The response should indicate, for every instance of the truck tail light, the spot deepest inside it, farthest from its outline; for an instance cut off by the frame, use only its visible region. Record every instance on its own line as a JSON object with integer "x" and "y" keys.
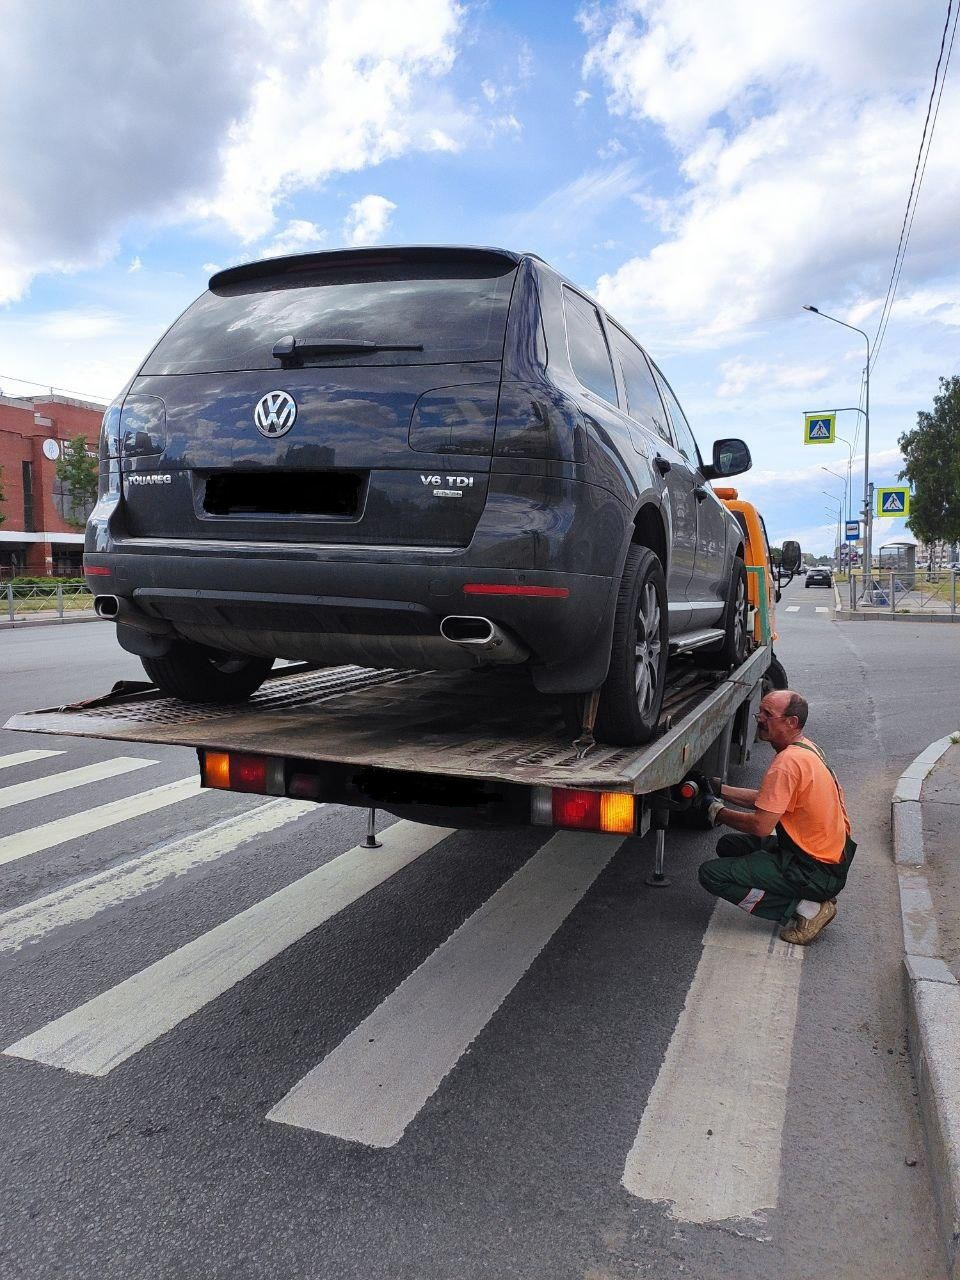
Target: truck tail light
{"x": 233, "y": 771}
{"x": 611, "y": 811}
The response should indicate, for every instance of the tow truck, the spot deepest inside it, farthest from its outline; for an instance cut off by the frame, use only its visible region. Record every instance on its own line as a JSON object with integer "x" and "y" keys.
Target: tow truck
{"x": 460, "y": 749}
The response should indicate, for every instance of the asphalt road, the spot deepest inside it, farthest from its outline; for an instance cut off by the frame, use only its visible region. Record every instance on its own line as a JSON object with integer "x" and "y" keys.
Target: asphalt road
{"x": 547, "y": 1028}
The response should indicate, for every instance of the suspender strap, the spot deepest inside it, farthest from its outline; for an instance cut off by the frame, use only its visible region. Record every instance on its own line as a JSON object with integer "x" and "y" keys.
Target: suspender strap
{"x": 849, "y": 844}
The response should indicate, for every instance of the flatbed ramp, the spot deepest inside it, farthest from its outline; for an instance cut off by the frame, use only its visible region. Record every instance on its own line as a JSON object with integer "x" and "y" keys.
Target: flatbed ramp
{"x": 489, "y": 726}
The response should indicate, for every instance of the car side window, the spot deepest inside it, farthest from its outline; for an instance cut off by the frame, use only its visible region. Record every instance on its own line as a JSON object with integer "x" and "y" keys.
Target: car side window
{"x": 643, "y": 399}
{"x": 587, "y": 345}
{"x": 681, "y": 428}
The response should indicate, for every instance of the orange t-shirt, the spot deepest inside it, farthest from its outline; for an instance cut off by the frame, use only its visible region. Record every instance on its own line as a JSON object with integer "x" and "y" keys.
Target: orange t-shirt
{"x": 800, "y": 789}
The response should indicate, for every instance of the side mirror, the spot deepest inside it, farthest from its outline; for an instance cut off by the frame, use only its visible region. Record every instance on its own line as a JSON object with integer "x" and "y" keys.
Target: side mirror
{"x": 790, "y": 557}
{"x": 730, "y": 458}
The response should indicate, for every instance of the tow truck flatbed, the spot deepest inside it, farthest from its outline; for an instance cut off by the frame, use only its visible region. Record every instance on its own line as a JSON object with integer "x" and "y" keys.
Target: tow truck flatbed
{"x": 467, "y": 726}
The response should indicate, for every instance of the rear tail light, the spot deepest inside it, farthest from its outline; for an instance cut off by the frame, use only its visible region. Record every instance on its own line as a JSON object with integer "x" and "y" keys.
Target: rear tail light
{"x": 233, "y": 771}
{"x": 511, "y": 589}
{"x": 611, "y": 811}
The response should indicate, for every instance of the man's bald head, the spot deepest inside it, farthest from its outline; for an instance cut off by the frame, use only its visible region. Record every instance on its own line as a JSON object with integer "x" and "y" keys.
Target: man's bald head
{"x": 786, "y": 702}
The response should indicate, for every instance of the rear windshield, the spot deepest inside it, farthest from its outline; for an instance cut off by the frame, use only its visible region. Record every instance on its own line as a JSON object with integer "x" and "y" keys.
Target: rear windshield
{"x": 456, "y": 311}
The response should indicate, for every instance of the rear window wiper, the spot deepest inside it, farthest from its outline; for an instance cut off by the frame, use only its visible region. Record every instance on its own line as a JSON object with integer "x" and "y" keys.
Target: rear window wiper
{"x": 292, "y": 351}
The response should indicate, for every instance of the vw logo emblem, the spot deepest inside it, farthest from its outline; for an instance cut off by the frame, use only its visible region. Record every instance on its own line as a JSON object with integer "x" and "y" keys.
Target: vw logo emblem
{"x": 275, "y": 414}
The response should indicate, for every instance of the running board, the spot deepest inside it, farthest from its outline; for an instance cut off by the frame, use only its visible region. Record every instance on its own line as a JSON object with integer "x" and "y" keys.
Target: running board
{"x": 697, "y": 639}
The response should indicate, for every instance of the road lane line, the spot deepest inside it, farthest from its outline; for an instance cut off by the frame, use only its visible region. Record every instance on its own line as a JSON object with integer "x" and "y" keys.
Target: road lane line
{"x": 793, "y": 608}
{"x": 110, "y": 1028}
{"x": 27, "y": 757}
{"x": 118, "y": 885}
{"x": 710, "y": 1137}
{"x": 54, "y": 783}
{"x": 375, "y": 1081}
{"x": 49, "y": 834}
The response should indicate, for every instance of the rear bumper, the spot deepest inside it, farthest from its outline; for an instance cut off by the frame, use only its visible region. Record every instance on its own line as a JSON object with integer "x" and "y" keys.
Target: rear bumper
{"x": 378, "y": 613}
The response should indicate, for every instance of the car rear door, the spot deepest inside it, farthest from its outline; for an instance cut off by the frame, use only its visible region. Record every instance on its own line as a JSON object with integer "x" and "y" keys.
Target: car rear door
{"x": 708, "y": 586}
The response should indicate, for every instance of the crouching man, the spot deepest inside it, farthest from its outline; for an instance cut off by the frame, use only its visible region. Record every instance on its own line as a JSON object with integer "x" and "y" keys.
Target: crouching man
{"x": 792, "y": 856}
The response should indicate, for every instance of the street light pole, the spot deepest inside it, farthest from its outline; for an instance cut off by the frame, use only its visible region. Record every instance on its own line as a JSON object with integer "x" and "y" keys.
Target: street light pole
{"x": 845, "y": 504}
{"x": 867, "y": 505}
{"x": 833, "y": 498}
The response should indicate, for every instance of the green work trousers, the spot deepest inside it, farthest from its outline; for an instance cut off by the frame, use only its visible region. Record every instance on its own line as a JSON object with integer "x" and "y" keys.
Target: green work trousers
{"x": 768, "y": 880}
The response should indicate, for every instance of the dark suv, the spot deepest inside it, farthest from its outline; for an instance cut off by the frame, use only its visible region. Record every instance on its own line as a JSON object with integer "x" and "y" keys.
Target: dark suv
{"x": 422, "y": 457}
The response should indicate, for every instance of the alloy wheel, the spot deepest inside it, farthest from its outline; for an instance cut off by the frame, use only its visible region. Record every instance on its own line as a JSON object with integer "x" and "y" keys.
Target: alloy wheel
{"x": 647, "y": 671}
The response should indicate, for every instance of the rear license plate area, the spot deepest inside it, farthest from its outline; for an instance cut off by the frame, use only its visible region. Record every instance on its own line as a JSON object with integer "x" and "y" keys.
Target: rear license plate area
{"x": 331, "y": 494}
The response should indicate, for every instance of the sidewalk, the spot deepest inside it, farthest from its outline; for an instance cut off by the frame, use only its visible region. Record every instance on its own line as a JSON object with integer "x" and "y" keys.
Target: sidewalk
{"x": 47, "y": 619}
{"x": 926, "y": 838}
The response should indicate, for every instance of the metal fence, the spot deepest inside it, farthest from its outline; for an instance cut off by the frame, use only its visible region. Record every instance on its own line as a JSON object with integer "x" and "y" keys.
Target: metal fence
{"x": 927, "y": 591}
{"x": 54, "y": 599}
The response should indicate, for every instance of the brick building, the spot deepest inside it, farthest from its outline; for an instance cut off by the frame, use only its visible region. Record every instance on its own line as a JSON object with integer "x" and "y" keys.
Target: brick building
{"x": 35, "y": 537}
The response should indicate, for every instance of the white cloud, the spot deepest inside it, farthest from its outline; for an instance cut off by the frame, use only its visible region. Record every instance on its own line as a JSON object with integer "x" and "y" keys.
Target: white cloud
{"x": 581, "y": 97}
{"x": 739, "y": 375}
{"x": 79, "y": 324}
{"x": 296, "y": 237}
{"x": 368, "y": 220}
{"x": 135, "y": 265}
{"x": 575, "y": 204}
{"x": 346, "y": 86}
{"x": 222, "y": 111}
{"x": 796, "y": 128}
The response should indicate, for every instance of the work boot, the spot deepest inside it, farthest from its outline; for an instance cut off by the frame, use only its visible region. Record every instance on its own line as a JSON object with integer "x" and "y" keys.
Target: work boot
{"x": 802, "y": 932}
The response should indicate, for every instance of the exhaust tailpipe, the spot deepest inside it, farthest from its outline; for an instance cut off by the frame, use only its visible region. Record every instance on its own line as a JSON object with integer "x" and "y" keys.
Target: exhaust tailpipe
{"x": 484, "y": 638}
{"x": 117, "y": 609}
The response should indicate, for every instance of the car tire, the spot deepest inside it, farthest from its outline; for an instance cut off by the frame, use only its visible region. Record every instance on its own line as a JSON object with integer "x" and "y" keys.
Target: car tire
{"x": 775, "y": 677}
{"x": 194, "y": 674}
{"x": 632, "y": 693}
{"x": 736, "y": 636}
{"x": 806, "y": 586}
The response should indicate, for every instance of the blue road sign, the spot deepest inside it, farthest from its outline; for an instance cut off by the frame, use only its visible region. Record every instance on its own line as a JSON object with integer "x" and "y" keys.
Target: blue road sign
{"x": 853, "y": 530}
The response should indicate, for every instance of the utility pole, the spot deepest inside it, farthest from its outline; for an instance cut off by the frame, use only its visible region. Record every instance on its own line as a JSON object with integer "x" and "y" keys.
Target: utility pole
{"x": 867, "y": 486}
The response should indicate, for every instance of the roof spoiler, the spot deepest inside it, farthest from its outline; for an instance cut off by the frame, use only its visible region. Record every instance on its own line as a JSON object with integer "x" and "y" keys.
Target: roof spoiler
{"x": 388, "y": 255}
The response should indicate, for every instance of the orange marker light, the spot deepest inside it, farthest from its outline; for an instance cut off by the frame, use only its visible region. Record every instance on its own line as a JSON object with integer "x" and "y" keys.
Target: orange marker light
{"x": 616, "y": 812}
{"x": 216, "y": 770}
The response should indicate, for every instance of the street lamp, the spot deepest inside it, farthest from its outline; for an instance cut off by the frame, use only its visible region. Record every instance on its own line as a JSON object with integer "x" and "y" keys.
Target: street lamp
{"x": 833, "y": 498}
{"x": 867, "y": 504}
{"x": 845, "y": 504}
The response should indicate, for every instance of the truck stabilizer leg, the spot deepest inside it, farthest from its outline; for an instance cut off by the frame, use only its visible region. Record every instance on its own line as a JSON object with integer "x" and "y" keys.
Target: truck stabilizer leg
{"x": 657, "y": 880}
{"x": 371, "y": 841}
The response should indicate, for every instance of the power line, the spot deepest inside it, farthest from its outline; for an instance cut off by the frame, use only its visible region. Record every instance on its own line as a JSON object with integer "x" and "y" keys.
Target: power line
{"x": 32, "y": 382}
{"x": 919, "y": 169}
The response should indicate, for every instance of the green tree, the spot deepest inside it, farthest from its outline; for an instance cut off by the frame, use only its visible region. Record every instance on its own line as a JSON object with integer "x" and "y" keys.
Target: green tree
{"x": 931, "y": 453}
{"x": 77, "y": 474}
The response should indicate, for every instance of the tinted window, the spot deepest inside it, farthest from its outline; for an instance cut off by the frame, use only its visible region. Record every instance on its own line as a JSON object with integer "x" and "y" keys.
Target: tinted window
{"x": 589, "y": 356}
{"x": 458, "y": 312}
{"x": 681, "y": 428}
{"x": 643, "y": 399}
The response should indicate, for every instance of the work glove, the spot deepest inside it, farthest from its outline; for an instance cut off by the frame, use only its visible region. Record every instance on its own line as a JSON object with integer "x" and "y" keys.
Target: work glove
{"x": 709, "y": 787}
{"x": 712, "y": 810}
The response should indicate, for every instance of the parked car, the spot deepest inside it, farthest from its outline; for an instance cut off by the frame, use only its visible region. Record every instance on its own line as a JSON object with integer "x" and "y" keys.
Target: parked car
{"x": 415, "y": 457}
{"x": 802, "y": 571}
{"x": 819, "y": 576}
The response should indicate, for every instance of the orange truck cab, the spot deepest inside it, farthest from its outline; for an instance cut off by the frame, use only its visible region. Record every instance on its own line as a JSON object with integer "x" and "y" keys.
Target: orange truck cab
{"x": 762, "y": 588}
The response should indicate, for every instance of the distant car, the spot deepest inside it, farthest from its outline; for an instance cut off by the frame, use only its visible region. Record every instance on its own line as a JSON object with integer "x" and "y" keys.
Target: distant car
{"x": 802, "y": 571}
{"x": 819, "y": 576}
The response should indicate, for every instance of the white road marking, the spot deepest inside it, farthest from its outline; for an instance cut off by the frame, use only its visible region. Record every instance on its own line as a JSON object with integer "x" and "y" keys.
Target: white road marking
{"x": 710, "y": 1136}
{"x": 54, "y": 783}
{"x": 50, "y": 834}
{"x": 26, "y": 757}
{"x": 793, "y": 608}
{"x": 822, "y": 609}
{"x": 376, "y": 1080}
{"x": 110, "y": 1028}
{"x": 117, "y": 885}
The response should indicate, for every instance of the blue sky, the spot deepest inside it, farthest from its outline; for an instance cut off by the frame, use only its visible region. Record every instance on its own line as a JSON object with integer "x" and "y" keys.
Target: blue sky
{"x": 705, "y": 170}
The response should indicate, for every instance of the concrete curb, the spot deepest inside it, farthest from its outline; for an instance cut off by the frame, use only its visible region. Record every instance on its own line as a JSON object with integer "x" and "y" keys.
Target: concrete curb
{"x": 933, "y": 999}
{"x": 845, "y": 615}
{"x": 56, "y": 621}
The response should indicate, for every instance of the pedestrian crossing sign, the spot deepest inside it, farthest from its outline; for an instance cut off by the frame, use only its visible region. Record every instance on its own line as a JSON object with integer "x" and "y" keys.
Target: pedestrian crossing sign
{"x": 819, "y": 428}
{"x": 893, "y": 501}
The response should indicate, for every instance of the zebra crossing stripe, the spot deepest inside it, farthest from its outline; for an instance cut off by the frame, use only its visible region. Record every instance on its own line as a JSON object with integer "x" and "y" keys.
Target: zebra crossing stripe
{"x": 710, "y": 1139}
{"x": 822, "y": 609}
{"x": 110, "y": 1028}
{"x": 117, "y": 885}
{"x": 50, "y": 834}
{"x": 793, "y": 608}
{"x": 26, "y": 757}
{"x": 373, "y": 1084}
{"x": 37, "y": 788}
